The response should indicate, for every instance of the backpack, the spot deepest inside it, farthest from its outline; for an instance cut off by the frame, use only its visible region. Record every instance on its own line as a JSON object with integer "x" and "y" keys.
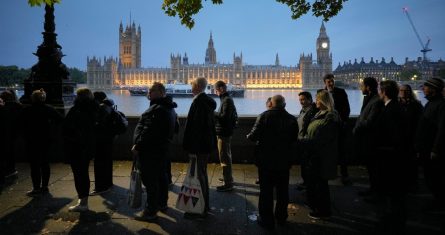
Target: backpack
{"x": 234, "y": 119}
{"x": 119, "y": 122}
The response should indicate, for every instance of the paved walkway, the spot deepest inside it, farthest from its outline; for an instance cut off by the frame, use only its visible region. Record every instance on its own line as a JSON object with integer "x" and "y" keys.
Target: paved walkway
{"x": 231, "y": 212}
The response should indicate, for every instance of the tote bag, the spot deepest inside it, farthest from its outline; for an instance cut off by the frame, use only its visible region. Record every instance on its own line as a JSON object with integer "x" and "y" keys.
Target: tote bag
{"x": 135, "y": 191}
{"x": 190, "y": 198}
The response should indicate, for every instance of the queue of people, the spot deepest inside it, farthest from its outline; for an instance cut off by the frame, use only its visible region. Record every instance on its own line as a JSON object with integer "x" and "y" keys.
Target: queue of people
{"x": 393, "y": 131}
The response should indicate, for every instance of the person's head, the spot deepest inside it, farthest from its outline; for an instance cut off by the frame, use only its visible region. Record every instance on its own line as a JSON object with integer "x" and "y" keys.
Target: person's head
{"x": 199, "y": 85}
{"x": 406, "y": 93}
{"x": 99, "y": 96}
{"x": 369, "y": 85}
{"x": 156, "y": 91}
{"x": 38, "y": 96}
{"x": 220, "y": 87}
{"x": 389, "y": 90}
{"x": 305, "y": 99}
{"x": 269, "y": 103}
{"x": 278, "y": 102}
{"x": 323, "y": 101}
{"x": 328, "y": 80}
{"x": 433, "y": 87}
{"x": 84, "y": 94}
{"x": 7, "y": 96}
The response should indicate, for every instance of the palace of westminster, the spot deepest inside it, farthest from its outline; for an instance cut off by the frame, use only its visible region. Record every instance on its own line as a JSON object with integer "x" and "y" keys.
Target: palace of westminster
{"x": 126, "y": 71}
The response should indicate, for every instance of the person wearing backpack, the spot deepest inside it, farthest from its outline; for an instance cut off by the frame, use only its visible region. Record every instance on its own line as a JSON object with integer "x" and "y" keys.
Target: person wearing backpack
{"x": 105, "y": 134}
{"x": 225, "y": 122}
{"x": 152, "y": 140}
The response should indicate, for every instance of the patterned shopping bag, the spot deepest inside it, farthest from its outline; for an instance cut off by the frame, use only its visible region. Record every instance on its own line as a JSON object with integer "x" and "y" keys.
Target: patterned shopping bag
{"x": 190, "y": 198}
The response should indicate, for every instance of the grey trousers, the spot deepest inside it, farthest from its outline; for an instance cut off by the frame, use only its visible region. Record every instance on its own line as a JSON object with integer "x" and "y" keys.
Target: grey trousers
{"x": 225, "y": 157}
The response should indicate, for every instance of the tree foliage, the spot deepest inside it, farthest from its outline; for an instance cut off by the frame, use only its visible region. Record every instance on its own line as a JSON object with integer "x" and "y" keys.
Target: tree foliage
{"x": 12, "y": 75}
{"x": 408, "y": 74}
{"x": 186, "y": 9}
{"x": 40, "y": 2}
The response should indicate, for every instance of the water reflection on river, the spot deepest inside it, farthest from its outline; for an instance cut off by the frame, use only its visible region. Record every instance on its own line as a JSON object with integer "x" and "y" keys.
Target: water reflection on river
{"x": 251, "y": 105}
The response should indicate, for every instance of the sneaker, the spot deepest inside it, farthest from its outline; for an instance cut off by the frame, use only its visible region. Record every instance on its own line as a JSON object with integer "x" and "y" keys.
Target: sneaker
{"x": 146, "y": 216}
{"x": 224, "y": 188}
{"x": 318, "y": 216}
{"x": 78, "y": 208}
{"x": 44, "y": 190}
{"x": 33, "y": 193}
{"x": 98, "y": 192}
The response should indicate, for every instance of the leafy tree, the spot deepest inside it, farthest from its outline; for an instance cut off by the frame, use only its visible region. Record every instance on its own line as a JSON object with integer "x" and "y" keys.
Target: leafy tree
{"x": 186, "y": 9}
{"x": 77, "y": 76}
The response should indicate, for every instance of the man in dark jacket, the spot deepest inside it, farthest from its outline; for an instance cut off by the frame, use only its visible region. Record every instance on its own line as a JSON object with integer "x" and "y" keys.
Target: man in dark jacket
{"x": 341, "y": 105}
{"x": 308, "y": 111}
{"x": 429, "y": 138}
{"x": 200, "y": 135}
{"x": 225, "y": 123}
{"x": 274, "y": 131}
{"x": 152, "y": 138}
{"x": 364, "y": 131}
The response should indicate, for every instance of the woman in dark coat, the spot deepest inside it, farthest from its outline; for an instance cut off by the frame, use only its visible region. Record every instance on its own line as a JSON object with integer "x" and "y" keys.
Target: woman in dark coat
{"x": 321, "y": 142}
{"x": 38, "y": 121}
{"x": 79, "y": 137}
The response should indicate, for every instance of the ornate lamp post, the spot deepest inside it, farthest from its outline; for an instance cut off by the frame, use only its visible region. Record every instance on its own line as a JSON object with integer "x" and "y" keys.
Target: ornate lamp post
{"x": 49, "y": 72}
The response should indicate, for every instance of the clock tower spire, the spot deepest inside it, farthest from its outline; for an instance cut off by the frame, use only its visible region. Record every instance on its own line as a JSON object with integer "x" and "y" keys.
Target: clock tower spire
{"x": 324, "y": 58}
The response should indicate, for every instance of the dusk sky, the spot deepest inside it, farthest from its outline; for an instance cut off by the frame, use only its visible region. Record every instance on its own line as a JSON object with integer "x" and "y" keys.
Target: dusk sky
{"x": 257, "y": 28}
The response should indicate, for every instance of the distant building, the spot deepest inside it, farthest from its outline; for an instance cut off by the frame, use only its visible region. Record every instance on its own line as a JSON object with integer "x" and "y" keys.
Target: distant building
{"x": 350, "y": 74}
{"x": 127, "y": 70}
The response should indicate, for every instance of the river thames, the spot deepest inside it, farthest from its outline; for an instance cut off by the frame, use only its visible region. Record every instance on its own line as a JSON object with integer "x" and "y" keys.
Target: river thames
{"x": 252, "y": 104}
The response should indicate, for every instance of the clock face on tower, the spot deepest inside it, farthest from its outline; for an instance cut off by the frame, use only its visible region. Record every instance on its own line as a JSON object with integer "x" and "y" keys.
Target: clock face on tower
{"x": 324, "y": 45}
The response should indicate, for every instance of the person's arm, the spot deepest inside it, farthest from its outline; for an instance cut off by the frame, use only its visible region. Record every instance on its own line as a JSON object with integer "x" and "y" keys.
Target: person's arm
{"x": 257, "y": 129}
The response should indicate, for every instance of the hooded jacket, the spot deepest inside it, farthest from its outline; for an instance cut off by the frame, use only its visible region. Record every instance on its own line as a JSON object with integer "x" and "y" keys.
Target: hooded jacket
{"x": 156, "y": 127}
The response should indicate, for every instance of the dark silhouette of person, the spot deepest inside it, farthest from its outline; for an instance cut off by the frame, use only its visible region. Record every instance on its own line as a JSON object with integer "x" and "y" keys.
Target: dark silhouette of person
{"x": 38, "y": 121}
{"x": 430, "y": 141}
{"x": 365, "y": 134}
{"x": 9, "y": 129}
{"x": 307, "y": 112}
{"x": 152, "y": 140}
{"x": 103, "y": 161}
{"x": 341, "y": 105}
{"x": 79, "y": 130}
{"x": 225, "y": 124}
{"x": 200, "y": 136}
{"x": 274, "y": 132}
{"x": 411, "y": 111}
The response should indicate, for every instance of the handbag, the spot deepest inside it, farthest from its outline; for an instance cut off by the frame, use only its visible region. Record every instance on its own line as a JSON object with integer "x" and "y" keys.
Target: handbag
{"x": 190, "y": 198}
{"x": 135, "y": 190}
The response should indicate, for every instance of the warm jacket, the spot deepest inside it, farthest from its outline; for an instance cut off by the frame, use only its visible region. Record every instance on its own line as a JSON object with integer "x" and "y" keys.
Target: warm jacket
{"x": 79, "y": 130}
{"x": 321, "y": 143}
{"x": 156, "y": 127}
{"x": 224, "y": 118}
{"x": 274, "y": 131}
{"x": 37, "y": 121}
{"x": 199, "y": 133}
{"x": 307, "y": 119}
{"x": 427, "y": 138}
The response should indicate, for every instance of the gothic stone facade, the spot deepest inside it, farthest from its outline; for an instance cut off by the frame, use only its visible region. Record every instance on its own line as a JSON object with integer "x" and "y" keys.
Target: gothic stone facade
{"x": 127, "y": 71}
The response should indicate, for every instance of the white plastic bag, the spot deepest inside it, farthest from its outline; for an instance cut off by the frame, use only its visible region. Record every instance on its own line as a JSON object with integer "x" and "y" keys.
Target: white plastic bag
{"x": 190, "y": 198}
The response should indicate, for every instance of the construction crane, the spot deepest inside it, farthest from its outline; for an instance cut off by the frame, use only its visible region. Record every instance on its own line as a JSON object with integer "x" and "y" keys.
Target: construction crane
{"x": 425, "y": 48}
